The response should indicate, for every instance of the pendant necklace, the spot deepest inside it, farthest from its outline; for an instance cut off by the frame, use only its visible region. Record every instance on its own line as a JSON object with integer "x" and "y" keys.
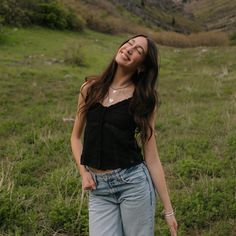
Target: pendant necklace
{"x": 115, "y": 90}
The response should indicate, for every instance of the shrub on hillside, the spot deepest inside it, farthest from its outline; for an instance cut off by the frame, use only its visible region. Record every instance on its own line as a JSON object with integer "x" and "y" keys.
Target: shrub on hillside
{"x": 233, "y": 38}
{"x": 51, "y": 14}
{"x": 74, "y": 22}
{"x": 107, "y": 24}
{"x": 74, "y": 55}
{"x": 94, "y": 22}
{"x": 17, "y": 13}
{"x": 2, "y": 35}
{"x": 55, "y": 15}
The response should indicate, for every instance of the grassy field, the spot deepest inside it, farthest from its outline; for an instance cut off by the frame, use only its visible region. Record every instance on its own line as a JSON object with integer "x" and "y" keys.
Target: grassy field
{"x": 196, "y": 132}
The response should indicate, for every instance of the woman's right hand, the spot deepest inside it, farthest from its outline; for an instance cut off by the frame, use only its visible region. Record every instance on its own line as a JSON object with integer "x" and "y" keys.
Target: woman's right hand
{"x": 172, "y": 223}
{"x": 88, "y": 182}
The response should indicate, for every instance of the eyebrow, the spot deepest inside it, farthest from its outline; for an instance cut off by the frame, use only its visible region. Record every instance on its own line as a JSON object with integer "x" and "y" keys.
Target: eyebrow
{"x": 133, "y": 40}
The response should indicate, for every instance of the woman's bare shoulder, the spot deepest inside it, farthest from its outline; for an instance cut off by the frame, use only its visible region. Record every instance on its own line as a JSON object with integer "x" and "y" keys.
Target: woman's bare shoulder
{"x": 85, "y": 86}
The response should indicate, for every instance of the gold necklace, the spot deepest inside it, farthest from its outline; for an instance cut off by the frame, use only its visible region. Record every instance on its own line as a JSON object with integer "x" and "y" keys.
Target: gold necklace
{"x": 114, "y": 90}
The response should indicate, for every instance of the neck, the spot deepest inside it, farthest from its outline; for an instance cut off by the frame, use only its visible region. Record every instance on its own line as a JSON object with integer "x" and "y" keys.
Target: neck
{"x": 121, "y": 78}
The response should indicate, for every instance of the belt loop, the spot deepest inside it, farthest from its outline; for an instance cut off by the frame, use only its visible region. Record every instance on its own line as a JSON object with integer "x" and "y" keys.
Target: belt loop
{"x": 95, "y": 179}
{"x": 117, "y": 175}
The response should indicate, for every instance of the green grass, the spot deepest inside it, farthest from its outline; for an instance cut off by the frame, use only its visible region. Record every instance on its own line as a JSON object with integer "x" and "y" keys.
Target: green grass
{"x": 196, "y": 133}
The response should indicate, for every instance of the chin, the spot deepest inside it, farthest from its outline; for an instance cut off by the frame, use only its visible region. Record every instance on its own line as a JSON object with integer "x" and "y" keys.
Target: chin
{"x": 120, "y": 61}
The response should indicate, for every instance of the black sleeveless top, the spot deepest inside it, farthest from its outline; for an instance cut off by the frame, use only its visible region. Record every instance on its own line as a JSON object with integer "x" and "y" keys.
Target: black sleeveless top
{"x": 109, "y": 137}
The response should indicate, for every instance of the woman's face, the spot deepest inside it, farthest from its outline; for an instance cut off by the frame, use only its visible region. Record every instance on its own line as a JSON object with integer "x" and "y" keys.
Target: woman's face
{"x": 131, "y": 54}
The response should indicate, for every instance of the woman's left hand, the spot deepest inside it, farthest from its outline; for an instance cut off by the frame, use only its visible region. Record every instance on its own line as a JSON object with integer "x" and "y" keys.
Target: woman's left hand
{"x": 172, "y": 223}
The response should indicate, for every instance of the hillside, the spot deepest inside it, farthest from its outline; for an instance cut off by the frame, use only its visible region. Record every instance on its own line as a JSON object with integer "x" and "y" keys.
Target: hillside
{"x": 40, "y": 188}
{"x": 213, "y": 14}
{"x": 165, "y": 14}
{"x": 157, "y": 15}
{"x": 121, "y": 16}
{"x": 184, "y": 16}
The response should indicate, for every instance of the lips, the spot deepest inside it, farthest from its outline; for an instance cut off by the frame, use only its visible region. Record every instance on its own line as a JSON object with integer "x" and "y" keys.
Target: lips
{"x": 125, "y": 55}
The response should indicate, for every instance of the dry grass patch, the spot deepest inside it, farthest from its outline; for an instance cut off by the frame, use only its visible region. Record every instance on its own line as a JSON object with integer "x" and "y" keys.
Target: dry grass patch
{"x": 192, "y": 40}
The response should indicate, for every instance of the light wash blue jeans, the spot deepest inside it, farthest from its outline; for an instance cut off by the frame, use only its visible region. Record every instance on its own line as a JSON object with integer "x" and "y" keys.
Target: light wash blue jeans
{"x": 123, "y": 204}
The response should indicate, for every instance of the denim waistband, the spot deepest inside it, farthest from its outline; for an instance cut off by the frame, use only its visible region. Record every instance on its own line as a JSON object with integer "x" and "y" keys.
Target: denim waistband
{"x": 113, "y": 173}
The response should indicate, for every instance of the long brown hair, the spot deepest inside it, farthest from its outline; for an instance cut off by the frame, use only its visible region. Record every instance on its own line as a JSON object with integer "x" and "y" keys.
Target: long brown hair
{"x": 145, "y": 97}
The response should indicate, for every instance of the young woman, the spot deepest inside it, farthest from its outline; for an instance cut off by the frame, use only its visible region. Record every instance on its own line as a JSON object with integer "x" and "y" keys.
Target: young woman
{"x": 116, "y": 110}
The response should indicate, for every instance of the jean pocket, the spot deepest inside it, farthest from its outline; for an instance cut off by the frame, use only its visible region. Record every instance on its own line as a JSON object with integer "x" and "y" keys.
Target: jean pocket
{"x": 134, "y": 177}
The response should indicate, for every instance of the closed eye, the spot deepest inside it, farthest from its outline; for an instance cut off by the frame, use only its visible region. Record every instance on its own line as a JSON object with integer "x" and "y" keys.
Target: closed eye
{"x": 130, "y": 43}
{"x": 139, "y": 50}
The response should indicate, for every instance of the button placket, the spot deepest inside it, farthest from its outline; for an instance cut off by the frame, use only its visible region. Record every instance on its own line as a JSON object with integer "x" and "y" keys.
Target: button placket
{"x": 101, "y": 123}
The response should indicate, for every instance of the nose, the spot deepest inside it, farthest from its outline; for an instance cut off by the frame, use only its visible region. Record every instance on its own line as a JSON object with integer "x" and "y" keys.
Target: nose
{"x": 130, "y": 50}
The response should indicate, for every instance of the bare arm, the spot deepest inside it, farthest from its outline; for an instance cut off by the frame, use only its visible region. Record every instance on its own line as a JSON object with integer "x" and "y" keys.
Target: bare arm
{"x": 76, "y": 143}
{"x": 155, "y": 168}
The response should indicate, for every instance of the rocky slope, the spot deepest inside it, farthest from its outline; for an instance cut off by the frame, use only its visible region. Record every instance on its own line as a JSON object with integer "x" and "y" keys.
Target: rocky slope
{"x": 184, "y": 16}
{"x": 213, "y": 14}
{"x": 166, "y": 14}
